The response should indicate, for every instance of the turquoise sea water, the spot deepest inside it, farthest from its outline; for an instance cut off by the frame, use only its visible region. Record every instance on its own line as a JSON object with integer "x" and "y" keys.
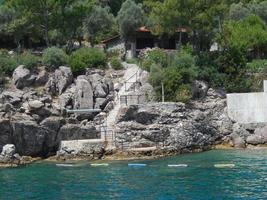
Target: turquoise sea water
{"x": 200, "y": 180}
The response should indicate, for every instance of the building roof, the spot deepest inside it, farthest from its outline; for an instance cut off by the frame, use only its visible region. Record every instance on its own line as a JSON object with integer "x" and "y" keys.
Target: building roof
{"x": 143, "y": 29}
{"x": 110, "y": 39}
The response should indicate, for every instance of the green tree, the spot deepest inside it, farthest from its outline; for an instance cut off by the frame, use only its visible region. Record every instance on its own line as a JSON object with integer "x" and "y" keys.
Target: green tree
{"x": 246, "y": 35}
{"x": 239, "y": 11}
{"x": 203, "y": 18}
{"x": 34, "y": 14}
{"x": 68, "y": 20}
{"x": 130, "y": 17}
{"x": 98, "y": 20}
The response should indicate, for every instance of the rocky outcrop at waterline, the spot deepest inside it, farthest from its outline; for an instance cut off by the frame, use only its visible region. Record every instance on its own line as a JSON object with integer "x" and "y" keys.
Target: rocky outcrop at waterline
{"x": 33, "y": 117}
{"x": 178, "y": 127}
{"x": 33, "y": 108}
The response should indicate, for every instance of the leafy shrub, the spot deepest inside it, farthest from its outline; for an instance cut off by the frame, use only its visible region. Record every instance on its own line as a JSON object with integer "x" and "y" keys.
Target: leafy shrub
{"x": 132, "y": 61}
{"x": 115, "y": 53}
{"x": 158, "y": 56}
{"x": 186, "y": 65}
{"x": 7, "y": 64}
{"x": 87, "y": 58}
{"x": 146, "y": 64}
{"x": 184, "y": 93}
{"x": 54, "y": 57}
{"x": 27, "y": 59}
{"x": 184, "y": 60}
{"x": 171, "y": 81}
{"x": 257, "y": 65}
{"x": 116, "y": 64}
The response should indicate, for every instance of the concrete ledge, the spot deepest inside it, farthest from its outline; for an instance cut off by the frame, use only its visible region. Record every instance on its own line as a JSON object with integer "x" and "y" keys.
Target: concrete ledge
{"x": 81, "y": 147}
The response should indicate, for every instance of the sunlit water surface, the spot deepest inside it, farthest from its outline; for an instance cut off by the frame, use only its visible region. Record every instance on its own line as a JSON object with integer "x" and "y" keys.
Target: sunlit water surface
{"x": 200, "y": 180}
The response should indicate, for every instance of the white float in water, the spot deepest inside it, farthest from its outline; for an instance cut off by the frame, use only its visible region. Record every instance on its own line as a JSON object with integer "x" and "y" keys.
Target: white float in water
{"x": 99, "y": 164}
{"x": 65, "y": 165}
{"x": 179, "y": 165}
{"x": 136, "y": 165}
{"x": 224, "y": 165}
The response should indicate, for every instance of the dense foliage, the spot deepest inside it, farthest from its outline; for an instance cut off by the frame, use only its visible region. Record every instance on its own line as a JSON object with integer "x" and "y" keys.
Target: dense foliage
{"x": 87, "y": 58}
{"x": 116, "y": 64}
{"x": 54, "y": 57}
{"x": 237, "y": 27}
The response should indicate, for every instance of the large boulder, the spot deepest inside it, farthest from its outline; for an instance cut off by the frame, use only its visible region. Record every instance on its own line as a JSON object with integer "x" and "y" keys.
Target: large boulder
{"x": 59, "y": 80}
{"x": 35, "y": 104}
{"x": 8, "y": 156}
{"x": 100, "y": 103}
{"x": 199, "y": 89}
{"x": 13, "y": 97}
{"x": 8, "y": 150}
{"x": 101, "y": 86}
{"x": 80, "y": 148}
{"x": 77, "y": 131}
{"x": 83, "y": 95}
{"x": 22, "y": 77}
{"x": 259, "y": 137}
{"x": 42, "y": 77}
{"x": 53, "y": 123}
{"x": 66, "y": 99}
{"x": 237, "y": 141}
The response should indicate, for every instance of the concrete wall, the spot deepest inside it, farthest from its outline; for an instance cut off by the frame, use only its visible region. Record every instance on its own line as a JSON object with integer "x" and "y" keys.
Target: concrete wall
{"x": 247, "y": 107}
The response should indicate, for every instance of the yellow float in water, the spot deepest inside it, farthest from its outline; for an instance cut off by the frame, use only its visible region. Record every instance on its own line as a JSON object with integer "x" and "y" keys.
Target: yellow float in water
{"x": 99, "y": 164}
{"x": 224, "y": 165}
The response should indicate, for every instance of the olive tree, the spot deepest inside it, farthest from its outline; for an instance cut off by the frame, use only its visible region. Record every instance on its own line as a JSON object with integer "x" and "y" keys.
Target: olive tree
{"x": 130, "y": 17}
{"x": 100, "y": 19}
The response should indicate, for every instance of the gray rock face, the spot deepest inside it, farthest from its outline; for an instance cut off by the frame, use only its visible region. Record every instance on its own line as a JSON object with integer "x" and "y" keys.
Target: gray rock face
{"x": 6, "y": 132}
{"x": 100, "y": 103}
{"x": 77, "y": 131}
{"x": 59, "y": 80}
{"x": 22, "y": 77}
{"x": 42, "y": 78}
{"x": 174, "y": 125}
{"x": 29, "y": 138}
{"x": 71, "y": 149}
{"x": 83, "y": 96}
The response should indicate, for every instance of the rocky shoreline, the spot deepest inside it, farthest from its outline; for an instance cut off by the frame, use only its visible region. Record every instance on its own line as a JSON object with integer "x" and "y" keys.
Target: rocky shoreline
{"x": 34, "y": 120}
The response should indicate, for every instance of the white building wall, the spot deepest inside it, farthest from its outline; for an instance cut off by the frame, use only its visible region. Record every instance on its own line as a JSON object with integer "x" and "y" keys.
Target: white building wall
{"x": 247, "y": 107}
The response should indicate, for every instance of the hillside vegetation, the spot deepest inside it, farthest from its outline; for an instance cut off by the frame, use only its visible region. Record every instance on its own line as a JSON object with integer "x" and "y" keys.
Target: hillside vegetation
{"x": 237, "y": 28}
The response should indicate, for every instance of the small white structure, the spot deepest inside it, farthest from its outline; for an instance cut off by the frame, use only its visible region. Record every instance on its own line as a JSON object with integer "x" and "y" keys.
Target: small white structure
{"x": 248, "y": 108}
